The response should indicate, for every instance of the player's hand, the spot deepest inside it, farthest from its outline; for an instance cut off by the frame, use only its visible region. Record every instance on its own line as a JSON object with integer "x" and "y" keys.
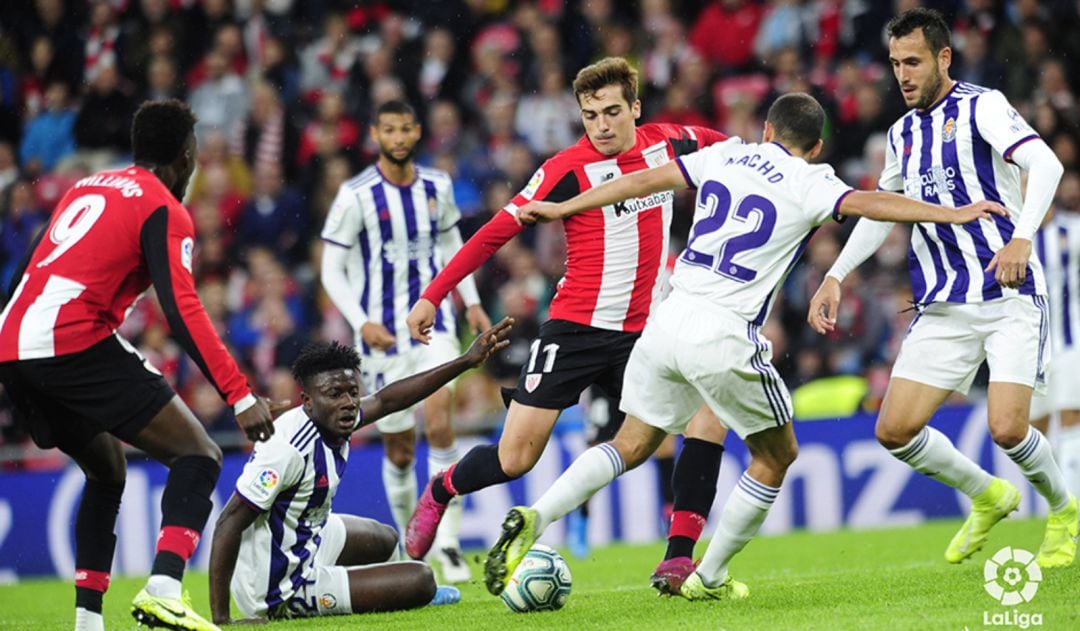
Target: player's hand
{"x": 1011, "y": 263}
{"x": 824, "y": 305}
{"x": 377, "y": 336}
{"x": 477, "y": 318}
{"x": 258, "y": 420}
{"x": 979, "y": 210}
{"x": 542, "y": 212}
{"x": 489, "y": 342}
{"x": 420, "y": 320}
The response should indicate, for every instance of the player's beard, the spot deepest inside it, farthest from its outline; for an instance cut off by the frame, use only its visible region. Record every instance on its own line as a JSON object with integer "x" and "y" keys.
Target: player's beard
{"x": 399, "y": 162}
{"x": 933, "y": 88}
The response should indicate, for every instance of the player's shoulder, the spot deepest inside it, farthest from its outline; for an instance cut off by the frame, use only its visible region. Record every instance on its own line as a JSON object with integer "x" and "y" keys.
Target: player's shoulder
{"x": 295, "y": 432}
{"x": 576, "y": 155}
{"x": 438, "y": 176}
{"x": 364, "y": 179}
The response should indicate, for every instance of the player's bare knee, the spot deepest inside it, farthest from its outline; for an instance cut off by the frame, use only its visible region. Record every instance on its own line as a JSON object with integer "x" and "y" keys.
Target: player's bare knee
{"x": 400, "y": 453}
{"x": 891, "y": 436}
{"x": 424, "y": 582}
{"x": 518, "y": 464}
{"x": 1007, "y": 433}
{"x": 439, "y": 434}
{"x": 387, "y": 539}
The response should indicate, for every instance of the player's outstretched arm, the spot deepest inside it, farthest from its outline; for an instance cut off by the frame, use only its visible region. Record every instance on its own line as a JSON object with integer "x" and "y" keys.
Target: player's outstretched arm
{"x": 662, "y": 178}
{"x": 884, "y": 206}
{"x": 234, "y": 519}
{"x": 401, "y": 394}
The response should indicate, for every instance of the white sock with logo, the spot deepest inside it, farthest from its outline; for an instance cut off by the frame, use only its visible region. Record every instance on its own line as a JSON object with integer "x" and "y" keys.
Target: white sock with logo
{"x": 594, "y": 469}
{"x": 86, "y": 620}
{"x": 400, "y": 485}
{"x": 933, "y": 454}
{"x": 1036, "y": 461}
{"x": 744, "y": 512}
{"x": 446, "y": 536}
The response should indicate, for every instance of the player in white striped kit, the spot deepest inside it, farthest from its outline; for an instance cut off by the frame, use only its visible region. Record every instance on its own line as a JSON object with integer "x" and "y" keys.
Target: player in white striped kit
{"x": 388, "y": 233}
{"x": 979, "y": 291}
{"x": 278, "y": 546}
{"x": 758, "y": 205}
{"x": 1057, "y": 245}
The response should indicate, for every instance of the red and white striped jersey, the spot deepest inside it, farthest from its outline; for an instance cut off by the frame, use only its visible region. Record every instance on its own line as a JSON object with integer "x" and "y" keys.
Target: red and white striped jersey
{"x": 615, "y": 254}
{"x": 111, "y": 236}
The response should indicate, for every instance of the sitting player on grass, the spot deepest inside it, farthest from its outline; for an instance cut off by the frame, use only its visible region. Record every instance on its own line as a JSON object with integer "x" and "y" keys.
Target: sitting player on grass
{"x": 278, "y": 545}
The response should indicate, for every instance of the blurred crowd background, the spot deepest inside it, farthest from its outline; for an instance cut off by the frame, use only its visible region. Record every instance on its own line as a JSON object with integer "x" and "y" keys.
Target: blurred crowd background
{"x": 284, "y": 91}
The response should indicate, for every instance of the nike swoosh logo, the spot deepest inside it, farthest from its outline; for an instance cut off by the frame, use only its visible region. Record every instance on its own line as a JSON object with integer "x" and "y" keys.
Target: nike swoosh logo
{"x": 178, "y": 614}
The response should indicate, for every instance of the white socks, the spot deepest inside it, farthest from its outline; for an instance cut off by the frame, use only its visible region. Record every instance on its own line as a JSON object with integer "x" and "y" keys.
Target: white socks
{"x": 593, "y": 470}
{"x": 439, "y": 460}
{"x": 400, "y": 485}
{"x": 162, "y": 586}
{"x": 931, "y": 453}
{"x": 744, "y": 512}
{"x": 1036, "y": 461}
{"x": 86, "y": 620}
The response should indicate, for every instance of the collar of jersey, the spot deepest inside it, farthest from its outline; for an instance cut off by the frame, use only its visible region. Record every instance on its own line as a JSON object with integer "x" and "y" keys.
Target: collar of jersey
{"x": 930, "y": 110}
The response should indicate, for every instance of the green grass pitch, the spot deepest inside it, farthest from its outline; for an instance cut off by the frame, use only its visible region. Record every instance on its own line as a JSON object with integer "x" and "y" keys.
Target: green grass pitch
{"x": 883, "y": 579}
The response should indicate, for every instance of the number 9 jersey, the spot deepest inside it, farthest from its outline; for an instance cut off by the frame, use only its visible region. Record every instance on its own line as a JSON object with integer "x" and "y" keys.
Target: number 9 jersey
{"x": 757, "y": 208}
{"x": 111, "y": 236}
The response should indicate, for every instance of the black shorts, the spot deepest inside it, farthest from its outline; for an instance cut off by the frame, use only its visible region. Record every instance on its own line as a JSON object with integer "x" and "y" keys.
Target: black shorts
{"x": 66, "y": 401}
{"x": 566, "y": 358}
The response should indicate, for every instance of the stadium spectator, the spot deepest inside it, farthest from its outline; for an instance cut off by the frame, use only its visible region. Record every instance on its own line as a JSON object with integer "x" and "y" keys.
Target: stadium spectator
{"x": 548, "y": 119}
{"x": 49, "y": 136}
{"x": 103, "y": 125}
{"x": 221, "y": 101}
{"x": 274, "y": 217}
{"x": 724, "y": 33}
{"x": 162, "y": 80}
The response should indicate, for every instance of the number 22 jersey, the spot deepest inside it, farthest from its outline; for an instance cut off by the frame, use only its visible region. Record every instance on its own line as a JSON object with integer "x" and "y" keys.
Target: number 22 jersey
{"x": 757, "y": 208}
{"x": 112, "y": 235}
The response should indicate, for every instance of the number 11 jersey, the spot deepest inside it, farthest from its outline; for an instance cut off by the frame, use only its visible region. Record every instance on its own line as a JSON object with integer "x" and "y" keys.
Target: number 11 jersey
{"x": 757, "y": 208}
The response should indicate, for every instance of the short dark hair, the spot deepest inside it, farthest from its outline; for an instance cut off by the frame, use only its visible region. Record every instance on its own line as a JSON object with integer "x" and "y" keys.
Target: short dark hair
{"x": 934, "y": 29}
{"x": 607, "y": 71}
{"x": 160, "y": 130}
{"x": 395, "y": 106}
{"x": 319, "y": 357}
{"x": 798, "y": 119}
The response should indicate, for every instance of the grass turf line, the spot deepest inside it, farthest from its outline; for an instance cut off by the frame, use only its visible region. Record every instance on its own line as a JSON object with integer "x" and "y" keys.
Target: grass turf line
{"x": 881, "y": 579}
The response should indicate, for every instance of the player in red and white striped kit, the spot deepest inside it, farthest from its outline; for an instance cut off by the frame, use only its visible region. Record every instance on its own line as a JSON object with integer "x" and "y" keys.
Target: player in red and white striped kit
{"x": 615, "y": 256}
{"x": 80, "y": 387}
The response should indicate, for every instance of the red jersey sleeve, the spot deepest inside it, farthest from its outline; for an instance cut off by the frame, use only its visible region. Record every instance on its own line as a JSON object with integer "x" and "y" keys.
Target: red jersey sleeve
{"x": 168, "y": 242}
{"x": 705, "y": 136}
{"x": 554, "y": 181}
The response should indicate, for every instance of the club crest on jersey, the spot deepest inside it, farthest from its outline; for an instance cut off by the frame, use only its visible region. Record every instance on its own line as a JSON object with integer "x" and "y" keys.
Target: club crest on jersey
{"x": 432, "y": 206}
{"x": 532, "y": 382}
{"x": 948, "y": 133}
{"x": 327, "y": 601}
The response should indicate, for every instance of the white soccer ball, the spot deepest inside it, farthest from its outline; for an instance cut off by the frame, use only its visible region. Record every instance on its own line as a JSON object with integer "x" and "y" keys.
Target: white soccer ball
{"x": 541, "y": 582}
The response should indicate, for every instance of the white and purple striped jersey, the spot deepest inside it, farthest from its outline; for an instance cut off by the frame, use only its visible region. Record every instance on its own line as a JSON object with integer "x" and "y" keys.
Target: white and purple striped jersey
{"x": 393, "y": 232}
{"x": 955, "y": 153}
{"x": 290, "y": 480}
{"x": 757, "y": 208}
{"x": 1057, "y": 244}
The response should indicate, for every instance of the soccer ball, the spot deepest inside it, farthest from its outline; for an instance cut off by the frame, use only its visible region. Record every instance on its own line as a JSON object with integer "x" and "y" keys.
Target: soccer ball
{"x": 541, "y": 582}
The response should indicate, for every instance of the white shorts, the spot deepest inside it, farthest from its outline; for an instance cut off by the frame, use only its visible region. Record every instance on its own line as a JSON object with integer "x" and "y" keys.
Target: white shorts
{"x": 1062, "y": 385}
{"x": 692, "y": 352}
{"x": 948, "y": 342}
{"x": 324, "y": 593}
{"x": 376, "y": 372}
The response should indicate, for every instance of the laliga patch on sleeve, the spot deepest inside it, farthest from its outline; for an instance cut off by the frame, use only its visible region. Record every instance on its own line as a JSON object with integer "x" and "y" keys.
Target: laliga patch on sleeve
{"x": 187, "y": 251}
{"x": 263, "y": 485}
{"x": 534, "y": 184}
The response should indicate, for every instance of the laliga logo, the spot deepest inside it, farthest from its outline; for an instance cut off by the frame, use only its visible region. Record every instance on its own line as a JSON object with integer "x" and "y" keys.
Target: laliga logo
{"x": 1012, "y": 576}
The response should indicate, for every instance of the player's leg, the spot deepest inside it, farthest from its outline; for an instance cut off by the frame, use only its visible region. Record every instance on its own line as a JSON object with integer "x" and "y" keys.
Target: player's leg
{"x": 399, "y": 465}
{"x": 771, "y": 453}
{"x": 604, "y": 421}
{"x": 390, "y": 586}
{"x": 566, "y": 358}
{"x": 694, "y": 484}
{"x": 175, "y": 438}
{"x": 366, "y": 541}
{"x": 525, "y": 435}
{"x": 443, "y": 454}
{"x": 1008, "y": 406}
{"x": 102, "y": 460}
{"x": 1016, "y": 348}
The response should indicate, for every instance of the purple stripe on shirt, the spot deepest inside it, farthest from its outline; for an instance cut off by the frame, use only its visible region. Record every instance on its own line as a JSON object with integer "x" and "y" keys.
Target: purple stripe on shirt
{"x": 432, "y": 196}
{"x": 279, "y": 562}
{"x": 386, "y": 232}
{"x": 944, "y": 233}
{"x": 1066, "y": 314}
{"x": 685, "y": 173}
{"x": 365, "y": 257}
{"x": 412, "y": 233}
{"x": 316, "y": 500}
